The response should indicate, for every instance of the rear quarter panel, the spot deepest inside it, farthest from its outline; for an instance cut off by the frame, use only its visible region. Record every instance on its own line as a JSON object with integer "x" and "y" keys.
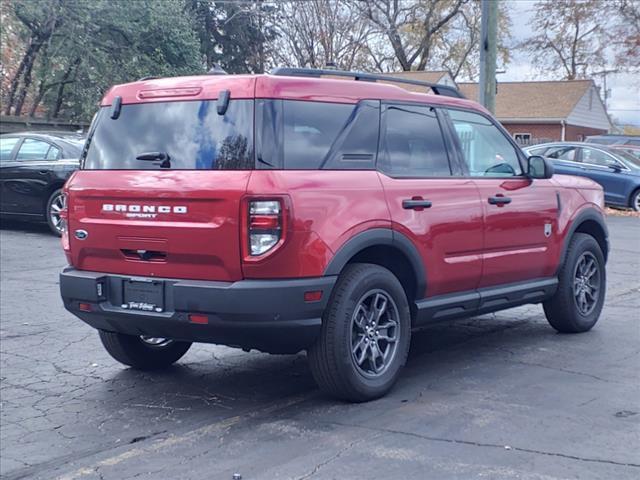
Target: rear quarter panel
{"x": 325, "y": 209}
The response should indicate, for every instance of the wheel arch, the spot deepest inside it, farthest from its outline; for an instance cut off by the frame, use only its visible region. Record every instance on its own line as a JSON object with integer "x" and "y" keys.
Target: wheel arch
{"x": 591, "y": 222}
{"x": 389, "y": 249}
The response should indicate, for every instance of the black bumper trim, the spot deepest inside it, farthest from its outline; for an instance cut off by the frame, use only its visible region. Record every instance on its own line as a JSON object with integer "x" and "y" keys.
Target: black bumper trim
{"x": 268, "y": 315}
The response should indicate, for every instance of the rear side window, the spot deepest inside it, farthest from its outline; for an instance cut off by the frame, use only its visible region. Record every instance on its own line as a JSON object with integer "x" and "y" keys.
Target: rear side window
{"x": 191, "y": 135}
{"x": 300, "y": 135}
{"x": 562, "y": 153}
{"x": 32, "y": 149}
{"x": 412, "y": 143}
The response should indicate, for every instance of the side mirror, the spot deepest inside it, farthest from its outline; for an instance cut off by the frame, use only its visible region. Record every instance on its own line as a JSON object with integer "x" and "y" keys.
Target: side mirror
{"x": 615, "y": 167}
{"x": 539, "y": 167}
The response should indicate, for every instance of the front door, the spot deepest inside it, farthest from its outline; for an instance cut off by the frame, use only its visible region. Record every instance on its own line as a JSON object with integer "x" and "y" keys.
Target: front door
{"x": 429, "y": 201}
{"x": 520, "y": 214}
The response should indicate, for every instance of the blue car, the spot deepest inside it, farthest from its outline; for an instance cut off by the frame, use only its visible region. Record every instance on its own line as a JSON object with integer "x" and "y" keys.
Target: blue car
{"x": 616, "y": 170}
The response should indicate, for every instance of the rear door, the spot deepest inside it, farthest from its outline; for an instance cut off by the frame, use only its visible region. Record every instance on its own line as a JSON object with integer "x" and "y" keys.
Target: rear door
{"x": 160, "y": 191}
{"x": 520, "y": 214}
{"x": 429, "y": 201}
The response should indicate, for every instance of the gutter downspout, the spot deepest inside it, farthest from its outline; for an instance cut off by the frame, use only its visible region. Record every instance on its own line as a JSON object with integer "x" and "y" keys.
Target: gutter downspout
{"x": 562, "y": 135}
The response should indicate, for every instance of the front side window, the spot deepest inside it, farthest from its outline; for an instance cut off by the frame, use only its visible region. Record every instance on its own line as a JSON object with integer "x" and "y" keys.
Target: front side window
{"x": 32, "y": 149}
{"x": 178, "y": 135}
{"x": 6, "y": 147}
{"x": 412, "y": 143}
{"x": 486, "y": 150}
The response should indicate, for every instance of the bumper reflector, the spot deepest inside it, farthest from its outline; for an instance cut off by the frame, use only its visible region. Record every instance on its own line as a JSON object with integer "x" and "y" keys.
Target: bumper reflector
{"x": 199, "y": 319}
{"x": 313, "y": 296}
{"x": 85, "y": 307}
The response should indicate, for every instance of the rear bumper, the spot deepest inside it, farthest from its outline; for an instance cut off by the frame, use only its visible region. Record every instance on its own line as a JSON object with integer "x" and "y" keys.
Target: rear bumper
{"x": 268, "y": 315}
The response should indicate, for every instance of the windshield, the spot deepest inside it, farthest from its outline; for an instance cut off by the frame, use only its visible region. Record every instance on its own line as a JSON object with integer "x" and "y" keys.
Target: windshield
{"x": 628, "y": 157}
{"x": 177, "y": 135}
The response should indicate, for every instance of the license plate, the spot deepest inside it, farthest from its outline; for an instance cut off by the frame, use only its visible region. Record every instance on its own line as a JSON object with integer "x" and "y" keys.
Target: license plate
{"x": 146, "y": 295}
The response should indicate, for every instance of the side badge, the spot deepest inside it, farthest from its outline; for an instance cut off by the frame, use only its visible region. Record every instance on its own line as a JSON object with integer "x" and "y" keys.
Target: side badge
{"x": 547, "y": 230}
{"x": 81, "y": 234}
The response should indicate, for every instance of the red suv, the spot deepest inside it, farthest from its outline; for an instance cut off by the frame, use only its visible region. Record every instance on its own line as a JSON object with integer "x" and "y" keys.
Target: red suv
{"x": 304, "y": 211}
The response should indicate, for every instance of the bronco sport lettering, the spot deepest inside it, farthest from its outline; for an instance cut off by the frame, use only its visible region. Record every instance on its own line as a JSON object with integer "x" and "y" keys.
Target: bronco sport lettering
{"x": 312, "y": 210}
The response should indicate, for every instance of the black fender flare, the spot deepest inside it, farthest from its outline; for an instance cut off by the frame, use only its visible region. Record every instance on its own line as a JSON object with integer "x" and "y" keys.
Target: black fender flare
{"x": 587, "y": 214}
{"x": 375, "y": 237}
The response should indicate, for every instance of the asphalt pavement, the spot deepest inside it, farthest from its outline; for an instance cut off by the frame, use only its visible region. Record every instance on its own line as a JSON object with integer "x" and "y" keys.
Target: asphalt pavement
{"x": 495, "y": 397}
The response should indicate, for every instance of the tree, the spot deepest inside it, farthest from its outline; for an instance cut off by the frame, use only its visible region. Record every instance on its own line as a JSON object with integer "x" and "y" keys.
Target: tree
{"x": 76, "y": 49}
{"x": 233, "y": 34}
{"x": 573, "y": 37}
{"x": 411, "y": 27}
{"x": 318, "y": 33}
{"x": 457, "y": 47}
{"x": 626, "y": 32}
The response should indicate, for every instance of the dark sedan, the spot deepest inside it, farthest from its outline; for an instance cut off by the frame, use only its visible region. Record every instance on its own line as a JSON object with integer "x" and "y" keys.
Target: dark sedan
{"x": 33, "y": 169}
{"x": 616, "y": 170}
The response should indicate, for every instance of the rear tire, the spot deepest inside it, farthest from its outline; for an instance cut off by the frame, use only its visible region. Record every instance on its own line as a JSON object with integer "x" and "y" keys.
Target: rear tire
{"x": 578, "y": 302}
{"x": 365, "y": 336}
{"x": 54, "y": 205}
{"x": 140, "y": 354}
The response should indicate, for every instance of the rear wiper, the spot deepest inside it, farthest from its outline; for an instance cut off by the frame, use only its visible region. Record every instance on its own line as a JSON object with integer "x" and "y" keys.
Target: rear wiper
{"x": 162, "y": 157}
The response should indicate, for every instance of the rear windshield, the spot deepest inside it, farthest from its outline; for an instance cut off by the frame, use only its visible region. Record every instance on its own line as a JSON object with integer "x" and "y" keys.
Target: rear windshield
{"x": 177, "y": 135}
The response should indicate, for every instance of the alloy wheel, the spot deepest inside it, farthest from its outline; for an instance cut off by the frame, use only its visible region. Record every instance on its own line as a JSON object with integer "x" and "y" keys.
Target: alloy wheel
{"x": 586, "y": 283}
{"x": 55, "y": 209}
{"x": 375, "y": 332}
{"x": 155, "y": 341}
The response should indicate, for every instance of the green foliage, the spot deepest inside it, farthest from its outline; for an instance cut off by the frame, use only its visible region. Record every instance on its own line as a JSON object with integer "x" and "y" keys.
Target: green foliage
{"x": 98, "y": 43}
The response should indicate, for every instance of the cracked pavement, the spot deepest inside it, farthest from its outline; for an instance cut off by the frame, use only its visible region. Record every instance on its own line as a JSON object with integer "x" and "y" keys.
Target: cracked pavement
{"x": 497, "y": 396}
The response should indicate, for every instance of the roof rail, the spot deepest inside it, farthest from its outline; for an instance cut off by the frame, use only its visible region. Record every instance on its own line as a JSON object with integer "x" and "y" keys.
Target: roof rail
{"x": 437, "y": 88}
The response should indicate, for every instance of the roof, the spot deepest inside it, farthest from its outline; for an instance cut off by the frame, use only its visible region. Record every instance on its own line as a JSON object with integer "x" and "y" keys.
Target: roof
{"x": 535, "y": 100}
{"x": 208, "y": 87}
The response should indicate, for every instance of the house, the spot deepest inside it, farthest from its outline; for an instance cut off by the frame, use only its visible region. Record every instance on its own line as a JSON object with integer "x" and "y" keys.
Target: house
{"x": 534, "y": 112}
{"x": 548, "y": 111}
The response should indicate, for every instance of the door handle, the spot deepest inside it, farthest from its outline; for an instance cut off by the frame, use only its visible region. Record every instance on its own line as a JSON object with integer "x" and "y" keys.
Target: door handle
{"x": 499, "y": 200}
{"x": 416, "y": 204}
{"x": 43, "y": 172}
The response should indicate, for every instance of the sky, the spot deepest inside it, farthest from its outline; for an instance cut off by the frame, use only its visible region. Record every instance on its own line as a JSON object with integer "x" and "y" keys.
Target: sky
{"x": 624, "y": 101}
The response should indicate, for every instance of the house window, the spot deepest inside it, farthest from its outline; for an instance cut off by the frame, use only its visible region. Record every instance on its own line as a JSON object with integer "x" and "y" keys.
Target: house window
{"x": 522, "y": 138}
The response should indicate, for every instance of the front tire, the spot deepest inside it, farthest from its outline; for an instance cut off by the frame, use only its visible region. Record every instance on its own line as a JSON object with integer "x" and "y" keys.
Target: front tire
{"x": 635, "y": 201}
{"x": 578, "y": 302}
{"x": 143, "y": 353}
{"x": 365, "y": 336}
{"x": 55, "y": 205}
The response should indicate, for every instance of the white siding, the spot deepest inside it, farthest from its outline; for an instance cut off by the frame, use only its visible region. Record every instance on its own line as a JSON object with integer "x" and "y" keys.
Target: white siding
{"x": 590, "y": 112}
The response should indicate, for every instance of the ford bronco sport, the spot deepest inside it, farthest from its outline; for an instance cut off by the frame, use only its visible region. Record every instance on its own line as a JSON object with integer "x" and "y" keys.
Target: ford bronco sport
{"x": 301, "y": 210}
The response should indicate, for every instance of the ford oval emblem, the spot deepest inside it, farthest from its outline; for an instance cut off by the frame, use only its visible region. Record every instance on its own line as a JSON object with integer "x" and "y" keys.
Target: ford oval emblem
{"x": 81, "y": 234}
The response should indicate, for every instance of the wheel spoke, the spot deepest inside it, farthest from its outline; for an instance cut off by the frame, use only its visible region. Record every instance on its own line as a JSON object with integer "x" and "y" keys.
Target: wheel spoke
{"x": 360, "y": 316}
{"x": 378, "y": 307}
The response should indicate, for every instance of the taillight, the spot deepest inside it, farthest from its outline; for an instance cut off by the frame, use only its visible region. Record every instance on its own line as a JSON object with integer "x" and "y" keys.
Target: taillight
{"x": 264, "y": 225}
{"x": 64, "y": 222}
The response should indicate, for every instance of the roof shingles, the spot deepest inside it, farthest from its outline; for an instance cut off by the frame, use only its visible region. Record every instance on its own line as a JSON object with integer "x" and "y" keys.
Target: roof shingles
{"x": 535, "y": 100}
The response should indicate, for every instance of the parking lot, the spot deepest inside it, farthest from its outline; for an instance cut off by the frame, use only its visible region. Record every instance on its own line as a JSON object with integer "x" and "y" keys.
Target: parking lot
{"x": 497, "y": 396}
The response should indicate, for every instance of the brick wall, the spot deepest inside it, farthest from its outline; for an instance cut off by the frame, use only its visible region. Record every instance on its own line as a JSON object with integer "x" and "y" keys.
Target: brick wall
{"x": 551, "y": 131}
{"x": 575, "y": 133}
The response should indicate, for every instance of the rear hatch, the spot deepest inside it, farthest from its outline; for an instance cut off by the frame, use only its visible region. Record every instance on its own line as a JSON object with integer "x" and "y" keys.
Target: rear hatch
{"x": 160, "y": 188}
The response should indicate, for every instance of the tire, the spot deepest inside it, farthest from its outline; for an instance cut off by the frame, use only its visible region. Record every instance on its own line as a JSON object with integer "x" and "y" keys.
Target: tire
{"x": 140, "y": 354}
{"x": 566, "y": 311}
{"x": 55, "y": 202}
{"x": 361, "y": 291}
{"x": 635, "y": 201}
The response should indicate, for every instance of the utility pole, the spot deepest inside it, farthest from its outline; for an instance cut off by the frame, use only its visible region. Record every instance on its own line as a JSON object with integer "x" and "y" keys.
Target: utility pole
{"x": 488, "y": 54}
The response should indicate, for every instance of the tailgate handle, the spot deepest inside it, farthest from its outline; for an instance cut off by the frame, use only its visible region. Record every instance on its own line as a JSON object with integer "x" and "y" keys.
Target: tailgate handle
{"x": 144, "y": 255}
